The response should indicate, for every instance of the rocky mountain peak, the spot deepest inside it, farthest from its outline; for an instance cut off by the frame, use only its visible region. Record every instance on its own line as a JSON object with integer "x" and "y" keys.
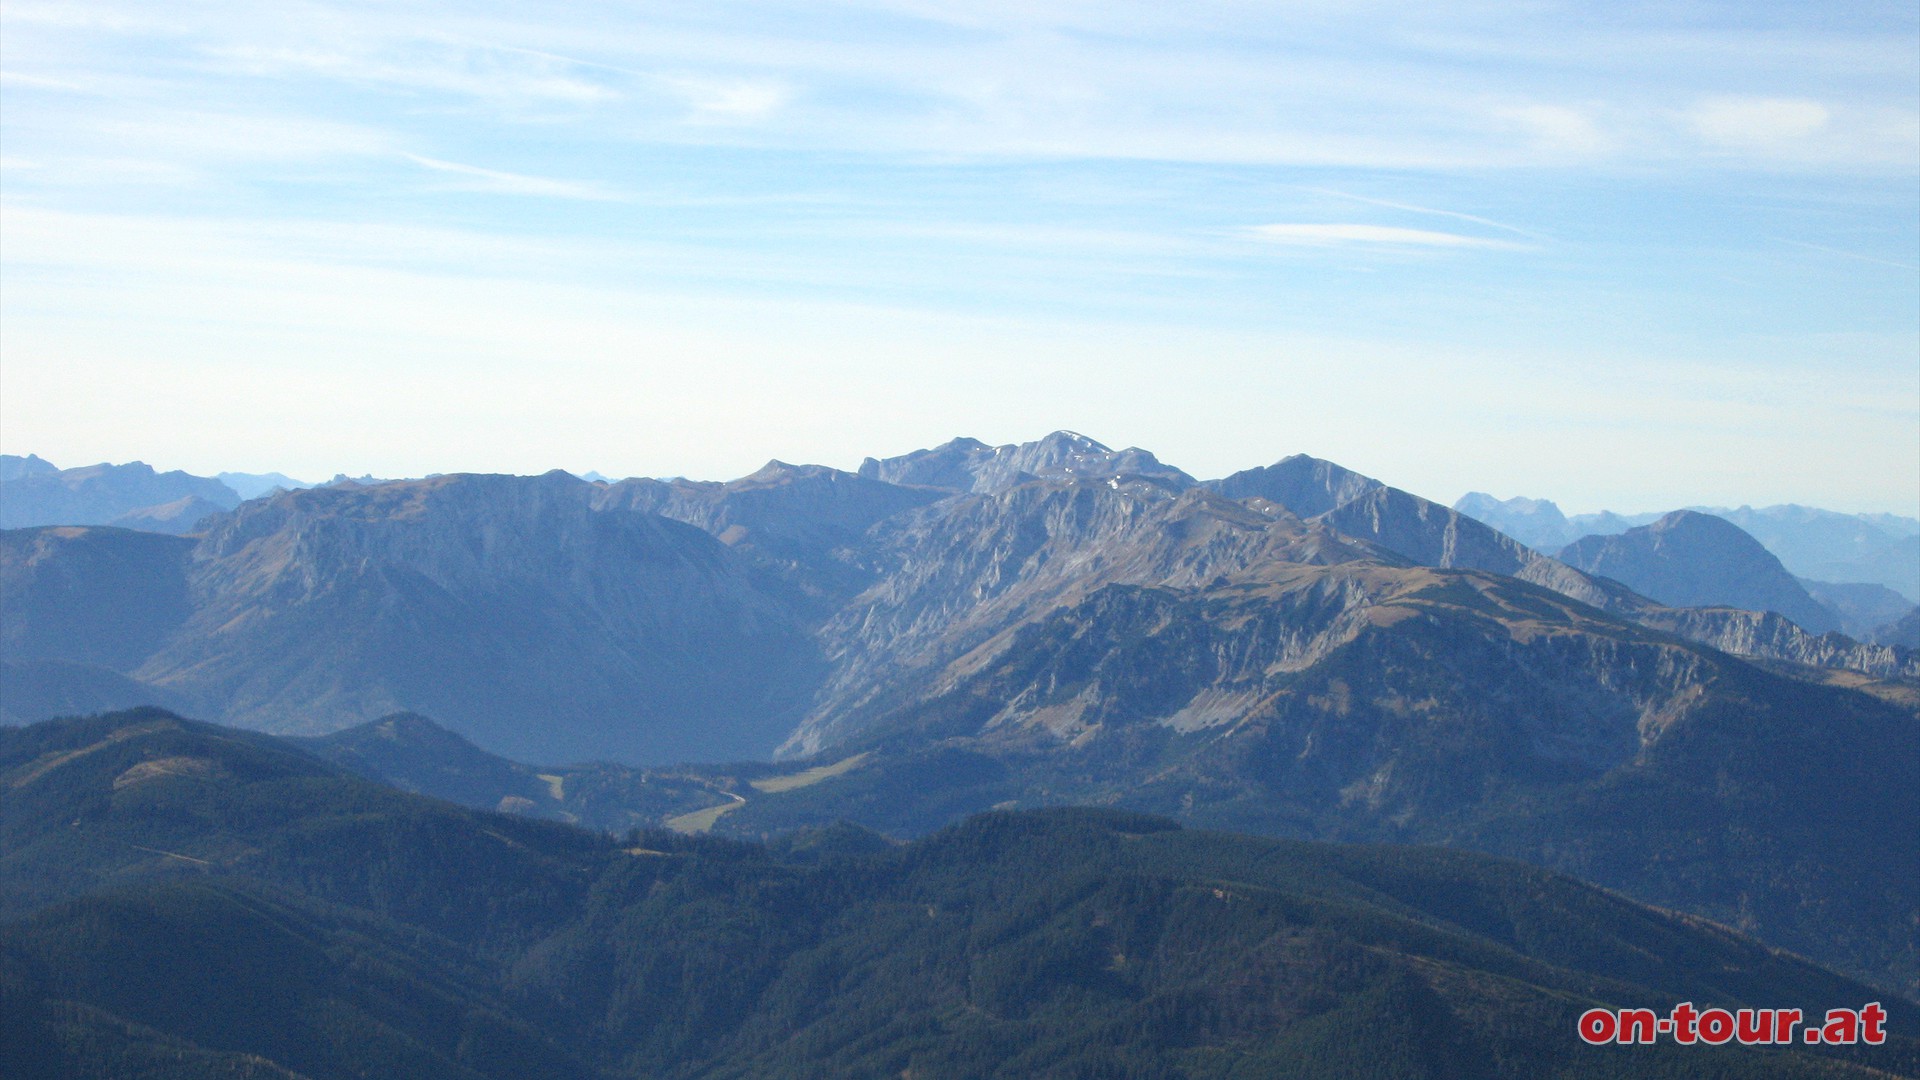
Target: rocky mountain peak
{"x": 968, "y": 465}
{"x": 1306, "y": 485}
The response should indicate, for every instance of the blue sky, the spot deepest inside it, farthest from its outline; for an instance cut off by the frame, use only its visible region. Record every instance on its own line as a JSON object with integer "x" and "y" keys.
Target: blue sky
{"x": 1618, "y": 255}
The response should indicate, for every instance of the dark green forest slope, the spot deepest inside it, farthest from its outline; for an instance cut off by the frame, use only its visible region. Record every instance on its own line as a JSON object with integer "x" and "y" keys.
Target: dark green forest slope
{"x": 182, "y": 900}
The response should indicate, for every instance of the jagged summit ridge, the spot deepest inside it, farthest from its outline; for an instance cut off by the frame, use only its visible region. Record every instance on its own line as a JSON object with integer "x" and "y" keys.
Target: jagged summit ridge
{"x": 969, "y": 465}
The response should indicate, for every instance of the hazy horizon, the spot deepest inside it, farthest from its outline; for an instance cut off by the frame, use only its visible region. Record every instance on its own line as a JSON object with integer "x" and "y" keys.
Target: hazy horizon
{"x": 325, "y": 477}
{"x": 1619, "y": 258}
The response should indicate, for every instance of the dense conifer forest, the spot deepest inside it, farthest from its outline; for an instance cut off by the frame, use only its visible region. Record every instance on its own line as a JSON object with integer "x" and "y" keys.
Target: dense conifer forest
{"x": 183, "y": 900}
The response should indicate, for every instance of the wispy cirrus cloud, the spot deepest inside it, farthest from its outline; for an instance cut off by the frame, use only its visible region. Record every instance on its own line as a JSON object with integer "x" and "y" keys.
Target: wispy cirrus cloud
{"x": 1377, "y": 236}
{"x": 1757, "y": 121}
{"x": 1415, "y": 208}
{"x": 1845, "y": 254}
{"x": 1518, "y": 174}
{"x": 465, "y": 69}
{"x": 497, "y": 182}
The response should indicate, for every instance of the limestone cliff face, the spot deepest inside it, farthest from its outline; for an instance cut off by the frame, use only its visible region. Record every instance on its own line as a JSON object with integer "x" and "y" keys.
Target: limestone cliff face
{"x": 1689, "y": 559}
{"x": 1408, "y": 690}
{"x": 1768, "y": 635}
{"x": 957, "y": 572}
{"x": 1690, "y": 574}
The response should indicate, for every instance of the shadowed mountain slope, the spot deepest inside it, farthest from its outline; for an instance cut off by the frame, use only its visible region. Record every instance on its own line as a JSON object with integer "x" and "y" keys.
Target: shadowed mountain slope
{"x": 1861, "y": 608}
{"x": 413, "y": 753}
{"x": 261, "y": 903}
{"x": 507, "y": 605}
{"x": 108, "y": 597}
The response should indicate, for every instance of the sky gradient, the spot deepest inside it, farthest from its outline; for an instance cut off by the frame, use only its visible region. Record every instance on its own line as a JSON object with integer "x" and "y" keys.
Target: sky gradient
{"x": 1626, "y": 256}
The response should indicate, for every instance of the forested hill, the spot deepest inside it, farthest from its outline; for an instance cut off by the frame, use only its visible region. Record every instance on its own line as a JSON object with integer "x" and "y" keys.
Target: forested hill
{"x": 183, "y": 900}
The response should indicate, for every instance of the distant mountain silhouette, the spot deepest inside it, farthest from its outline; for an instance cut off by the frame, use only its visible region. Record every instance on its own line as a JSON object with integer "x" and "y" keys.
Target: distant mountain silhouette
{"x": 1689, "y": 559}
{"x": 1822, "y": 545}
{"x": 254, "y": 485}
{"x": 107, "y": 494}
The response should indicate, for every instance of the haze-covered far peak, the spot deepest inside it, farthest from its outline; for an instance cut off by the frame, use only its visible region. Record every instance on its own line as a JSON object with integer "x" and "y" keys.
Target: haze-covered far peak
{"x": 1479, "y": 504}
{"x": 14, "y": 467}
{"x": 134, "y": 495}
{"x": 368, "y": 480}
{"x": 1691, "y": 559}
{"x": 254, "y": 485}
{"x": 1822, "y": 545}
{"x": 969, "y": 465}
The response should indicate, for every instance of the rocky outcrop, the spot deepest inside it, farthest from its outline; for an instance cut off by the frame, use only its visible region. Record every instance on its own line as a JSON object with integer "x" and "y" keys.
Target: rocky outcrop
{"x": 1767, "y": 635}
{"x": 957, "y": 572}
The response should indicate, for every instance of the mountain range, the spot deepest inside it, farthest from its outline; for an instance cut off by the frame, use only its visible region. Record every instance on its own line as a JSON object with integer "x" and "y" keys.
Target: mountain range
{"x": 179, "y": 900}
{"x": 646, "y": 620}
{"x": 1295, "y": 650}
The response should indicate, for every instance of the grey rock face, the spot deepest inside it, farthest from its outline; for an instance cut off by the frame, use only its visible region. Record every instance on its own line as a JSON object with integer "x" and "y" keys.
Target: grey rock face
{"x": 955, "y": 573}
{"x": 1306, "y": 486}
{"x": 510, "y": 607}
{"x": 969, "y": 465}
{"x": 1421, "y": 531}
{"x": 552, "y": 618}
